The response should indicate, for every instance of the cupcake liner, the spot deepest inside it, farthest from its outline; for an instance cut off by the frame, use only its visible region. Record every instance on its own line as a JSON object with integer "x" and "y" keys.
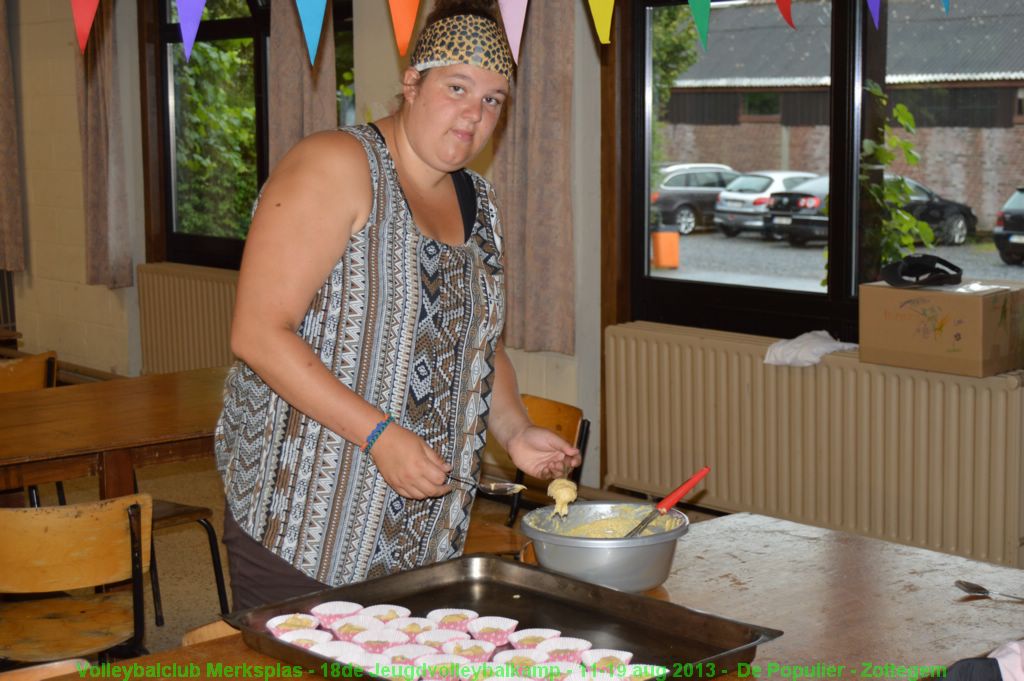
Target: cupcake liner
{"x": 296, "y": 620}
{"x": 397, "y": 672}
{"x": 551, "y": 670}
{"x": 452, "y": 618}
{"x": 475, "y": 650}
{"x": 373, "y": 663}
{"x": 531, "y": 638}
{"x": 347, "y": 628}
{"x": 341, "y": 651}
{"x": 607, "y": 660}
{"x": 518, "y": 661}
{"x": 564, "y": 648}
{"x": 378, "y": 640}
{"x": 306, "y": 638}
{"x": 493, "y": 629}
{"x": 332, "y": 611}
{"x": 412, "y": 625}
{"x": 642, "y": 672}
{"x": 409, "y": 653}
{"x": 386, "y": 612}
{"x": 444, "y": 667}
{"x": 588, "y": 675}
{"x": 436, "y": 638}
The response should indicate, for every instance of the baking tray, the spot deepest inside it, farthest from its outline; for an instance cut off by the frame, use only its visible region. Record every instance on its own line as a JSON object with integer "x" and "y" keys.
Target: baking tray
{"x": 656, "y": 631}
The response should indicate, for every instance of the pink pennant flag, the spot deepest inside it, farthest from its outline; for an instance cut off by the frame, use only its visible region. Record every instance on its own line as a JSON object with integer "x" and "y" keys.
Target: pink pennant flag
{"x": 701, "y": 10}
{"x": 601, "y": 11}
{"x": 189, "y": 14}
{"x": 875, "y": 7}
{"x": 311, "y": 16}
{"x": 786, "y": 9}
{"x": 513, "y": 14}
{"x": 84, "y": 12}
{"x": 403, "y": 19}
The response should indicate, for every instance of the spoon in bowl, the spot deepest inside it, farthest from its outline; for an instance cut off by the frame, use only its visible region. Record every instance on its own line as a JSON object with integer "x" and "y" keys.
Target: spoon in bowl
{"x": 668, "y": 502}
{"x": 979, "y": 590}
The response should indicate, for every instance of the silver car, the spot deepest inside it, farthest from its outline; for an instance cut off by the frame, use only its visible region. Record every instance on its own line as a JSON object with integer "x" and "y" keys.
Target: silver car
{"x": 743, "y": 205}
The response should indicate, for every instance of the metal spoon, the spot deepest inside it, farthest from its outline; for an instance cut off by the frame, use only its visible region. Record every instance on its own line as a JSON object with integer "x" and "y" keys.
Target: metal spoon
{"x": 668, "y": 502}
{"x": 979, "y": 590}
{"x": 501, "y": 488}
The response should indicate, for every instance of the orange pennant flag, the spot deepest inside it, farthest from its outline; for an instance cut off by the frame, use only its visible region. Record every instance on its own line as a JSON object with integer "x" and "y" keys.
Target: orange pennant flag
{"x": 84, "y": 12}
{"x": 601, "y": 11}
{"x": 403, "y": 18}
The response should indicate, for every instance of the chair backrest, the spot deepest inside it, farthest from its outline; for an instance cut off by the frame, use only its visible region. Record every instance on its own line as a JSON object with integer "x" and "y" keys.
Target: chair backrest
{"x": 57, "y": 548}
{"x": 28, "y": 373}
{"x": 562, "y": 418}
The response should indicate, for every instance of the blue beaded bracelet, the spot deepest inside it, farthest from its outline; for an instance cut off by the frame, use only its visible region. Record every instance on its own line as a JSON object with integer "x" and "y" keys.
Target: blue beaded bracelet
{"x": 377, "y": 430}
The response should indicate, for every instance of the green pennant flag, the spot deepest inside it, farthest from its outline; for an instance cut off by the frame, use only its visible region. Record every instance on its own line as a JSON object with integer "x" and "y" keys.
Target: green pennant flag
{"x": 701, "y": 10}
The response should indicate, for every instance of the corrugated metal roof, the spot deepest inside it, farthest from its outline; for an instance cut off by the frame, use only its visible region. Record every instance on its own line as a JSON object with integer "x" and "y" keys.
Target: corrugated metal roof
{"x": 750, "y": 46}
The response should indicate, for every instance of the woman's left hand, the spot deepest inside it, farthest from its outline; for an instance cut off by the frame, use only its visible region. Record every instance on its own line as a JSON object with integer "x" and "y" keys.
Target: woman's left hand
{"x": 542, "y": 454}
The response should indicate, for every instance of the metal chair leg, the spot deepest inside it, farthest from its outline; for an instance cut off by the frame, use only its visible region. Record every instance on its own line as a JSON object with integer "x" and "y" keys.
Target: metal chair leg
{"x": 154, "y": 582}
{"x": 218, "y": 571}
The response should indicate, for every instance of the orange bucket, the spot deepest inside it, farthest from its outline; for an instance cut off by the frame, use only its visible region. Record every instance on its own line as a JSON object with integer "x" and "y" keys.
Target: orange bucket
{"x": 665, "y": 246}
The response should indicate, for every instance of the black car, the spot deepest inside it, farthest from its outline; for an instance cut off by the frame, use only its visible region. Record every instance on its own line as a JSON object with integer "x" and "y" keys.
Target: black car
{"x": 1009, "y": 231}
{"x": 800, "y": 215}
{"x": 686, "y": 195}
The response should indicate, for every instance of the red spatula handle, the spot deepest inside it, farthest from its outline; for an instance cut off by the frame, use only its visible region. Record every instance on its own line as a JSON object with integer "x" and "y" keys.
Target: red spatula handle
{"x": 672, "y": 499}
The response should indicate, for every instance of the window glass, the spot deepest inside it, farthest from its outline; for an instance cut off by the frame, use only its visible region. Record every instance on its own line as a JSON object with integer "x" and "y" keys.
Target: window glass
{"x": 754, "y": 66}
{"x": 1016, "y": 201}
{"x": 957, "y": 78}
{"x": 212, "y": 114}
{"x": 749, "y": 184}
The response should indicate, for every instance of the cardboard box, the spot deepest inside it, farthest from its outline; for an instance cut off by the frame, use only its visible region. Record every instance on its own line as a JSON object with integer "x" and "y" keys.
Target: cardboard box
{"x": 973, "y": 329}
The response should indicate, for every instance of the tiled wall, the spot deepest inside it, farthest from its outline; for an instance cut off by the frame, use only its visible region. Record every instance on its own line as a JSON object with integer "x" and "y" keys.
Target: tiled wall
{"x": 56, "y": 310}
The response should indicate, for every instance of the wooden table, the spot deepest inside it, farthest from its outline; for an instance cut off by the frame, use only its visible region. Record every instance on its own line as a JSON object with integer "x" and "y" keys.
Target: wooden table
{"x": 841, "y": 599}
{"x": 107, "y": 428}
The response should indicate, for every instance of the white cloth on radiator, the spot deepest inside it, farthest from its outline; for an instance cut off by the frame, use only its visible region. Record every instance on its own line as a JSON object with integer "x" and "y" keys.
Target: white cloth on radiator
{"x": 804, "y": 350}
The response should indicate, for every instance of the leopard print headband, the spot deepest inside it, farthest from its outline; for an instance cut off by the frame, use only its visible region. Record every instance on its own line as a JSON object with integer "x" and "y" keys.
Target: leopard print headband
{"x": 464, "y": 39}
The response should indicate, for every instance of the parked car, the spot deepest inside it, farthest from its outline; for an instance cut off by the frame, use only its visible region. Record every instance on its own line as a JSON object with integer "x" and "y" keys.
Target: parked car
{"x": 743, "y": 204}
{"x": 1009, "y": 231}
{"x": 800, "y": 215}
{"x": 687, "y": 193}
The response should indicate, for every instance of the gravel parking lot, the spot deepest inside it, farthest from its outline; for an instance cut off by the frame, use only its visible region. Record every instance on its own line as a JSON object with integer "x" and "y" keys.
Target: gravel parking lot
{"x": 751, "y": 261}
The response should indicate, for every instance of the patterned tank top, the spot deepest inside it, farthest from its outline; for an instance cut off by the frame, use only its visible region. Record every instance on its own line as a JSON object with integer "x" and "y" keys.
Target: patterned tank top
{"x": 411, "y": 325}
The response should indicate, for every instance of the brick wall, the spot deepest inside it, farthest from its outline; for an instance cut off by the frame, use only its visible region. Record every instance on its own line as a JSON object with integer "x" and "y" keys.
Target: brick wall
{"x": 977, "y": 166}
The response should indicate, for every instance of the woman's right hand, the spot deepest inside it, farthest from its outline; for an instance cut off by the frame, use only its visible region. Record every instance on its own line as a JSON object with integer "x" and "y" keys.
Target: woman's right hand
{"x": 413, "y": 469}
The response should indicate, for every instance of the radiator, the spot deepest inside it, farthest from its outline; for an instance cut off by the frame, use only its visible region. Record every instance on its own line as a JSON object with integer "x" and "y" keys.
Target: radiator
{"x": 921, "y": 458}
{"x": 185, "y": 316}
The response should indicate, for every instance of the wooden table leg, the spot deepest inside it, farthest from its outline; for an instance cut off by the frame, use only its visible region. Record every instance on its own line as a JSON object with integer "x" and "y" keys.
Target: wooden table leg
{"x": 116, "y": 473}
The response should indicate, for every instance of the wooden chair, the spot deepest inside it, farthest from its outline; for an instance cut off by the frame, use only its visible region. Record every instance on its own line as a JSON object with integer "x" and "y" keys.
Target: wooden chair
{"x": 30, "y": 372}
{"x": 64, "y": 548}
{"x": 562, "y": 418}
{"x": 171, "y": 514}
{"x": 207, "y": 632}
{"x": 48, "y": 670}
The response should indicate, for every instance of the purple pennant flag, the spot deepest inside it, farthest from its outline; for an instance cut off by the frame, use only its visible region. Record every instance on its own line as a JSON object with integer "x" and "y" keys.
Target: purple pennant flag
{"x": 311, "y": 14}
{"x": 875, "y": 7}
{"x": 189, "y": 14}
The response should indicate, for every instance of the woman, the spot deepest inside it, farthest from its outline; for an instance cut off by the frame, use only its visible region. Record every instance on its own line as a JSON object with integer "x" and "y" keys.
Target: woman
{"x": 367, "y": 323}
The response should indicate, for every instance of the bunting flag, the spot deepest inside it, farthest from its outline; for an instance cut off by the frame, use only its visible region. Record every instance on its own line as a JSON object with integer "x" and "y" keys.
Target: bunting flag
{"x": 945, "y": 5}
{"x": 701, "y": 10}
{"x": 875, "y": 7}
{"x": 513, "y": 14}
{"x": 601, "y": 11}
{"x": 189, "y": 14}
{"x": 84, "y": 12}
{"x": 403, "y": 19}
{"x": 786, "y": 9}
{"x": 311, "y": 15}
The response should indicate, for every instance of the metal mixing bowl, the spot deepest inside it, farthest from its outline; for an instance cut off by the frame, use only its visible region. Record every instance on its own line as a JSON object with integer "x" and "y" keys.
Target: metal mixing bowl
{"x": 635, "y": 564}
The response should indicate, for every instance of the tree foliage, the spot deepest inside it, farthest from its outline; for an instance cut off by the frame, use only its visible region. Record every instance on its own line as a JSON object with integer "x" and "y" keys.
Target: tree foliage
{"x": 673, "y": 52}
{"x": 215, "y": 138}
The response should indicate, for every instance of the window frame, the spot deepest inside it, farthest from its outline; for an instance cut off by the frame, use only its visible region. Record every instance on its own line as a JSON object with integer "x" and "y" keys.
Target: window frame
{"x": 155, "y": 33}
{"x": 760, "y": 311}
